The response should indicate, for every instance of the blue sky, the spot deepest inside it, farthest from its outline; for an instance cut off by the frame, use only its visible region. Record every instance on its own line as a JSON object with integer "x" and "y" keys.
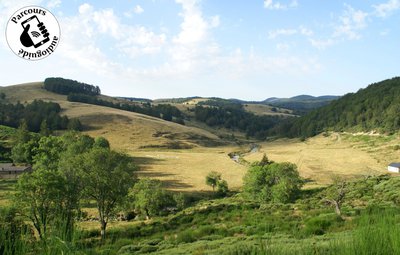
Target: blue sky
{"x": 233, "y": 49}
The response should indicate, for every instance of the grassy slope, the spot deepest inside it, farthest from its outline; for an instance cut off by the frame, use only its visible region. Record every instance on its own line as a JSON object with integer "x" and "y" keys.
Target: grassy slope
{"x": 318, "y": 158}
{"x": 262, "y": 109}
{"x": 131, "y": 132}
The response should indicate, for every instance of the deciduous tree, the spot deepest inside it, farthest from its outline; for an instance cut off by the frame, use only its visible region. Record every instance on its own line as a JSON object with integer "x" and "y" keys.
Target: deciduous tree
{"x": 107, "y": 176}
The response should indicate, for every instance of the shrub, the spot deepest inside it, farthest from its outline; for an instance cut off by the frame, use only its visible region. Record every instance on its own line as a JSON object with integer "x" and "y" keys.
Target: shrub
{"x": 186, "y": 236}
{"x": 320, "y": 224}
{"x": 277, "y": 182}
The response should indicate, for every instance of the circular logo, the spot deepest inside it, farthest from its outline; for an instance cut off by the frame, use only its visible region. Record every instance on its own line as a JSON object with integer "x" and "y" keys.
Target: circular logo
{"x": 33, "y": 33}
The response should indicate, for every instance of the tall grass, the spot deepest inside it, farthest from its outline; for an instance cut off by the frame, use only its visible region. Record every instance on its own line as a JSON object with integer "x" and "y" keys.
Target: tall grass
{"x": 18, "y": 238}
{"x": 377, "y": 233}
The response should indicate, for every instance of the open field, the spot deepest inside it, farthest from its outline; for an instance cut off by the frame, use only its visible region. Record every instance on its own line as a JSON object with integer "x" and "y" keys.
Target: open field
{"x": 186, "y": 170}
{"x": 320, "y": 158}
{"x": 182, "y": 156}
{"x": 261, "y": 109}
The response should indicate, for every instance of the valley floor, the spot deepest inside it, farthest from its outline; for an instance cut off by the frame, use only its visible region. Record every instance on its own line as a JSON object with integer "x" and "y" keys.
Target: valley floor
{"x": 319, "y": 160}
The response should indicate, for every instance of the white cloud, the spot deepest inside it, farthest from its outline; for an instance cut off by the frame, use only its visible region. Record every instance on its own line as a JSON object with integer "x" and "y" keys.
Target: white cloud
{"x": 191, "y": 53}
{"x": 276, "y": 5}
{"x": 285, "y": 32}
{"x": 283, "y": 65}
{"x": 138, "y": 9}
{"x": 53, "y": 4}
{"x": 85, "y": 8}
{"x": 283, "y": 46}
{"x": 322, "y": 44}
{"x": 194, "y": 27}
{"x": 83, "y": 35}
{"x": 385, "y": 9}
{"x": 215, "y": 22}
{"x": 305, "y": 31}
{"x": 349, "y": 26}
{"x": 288, "y": 32}
{"x": 108, "y": 23}
{"x": 384, "y": 32}
{"x": 350, "y": 23}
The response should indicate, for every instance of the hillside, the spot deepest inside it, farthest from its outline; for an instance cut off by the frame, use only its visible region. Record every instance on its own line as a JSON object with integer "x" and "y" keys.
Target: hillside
{"x": 375, "y": 108}
{"x": 116, "y": 125}
{"x": 297, "y": 105}
{"x": 181, "y": 156}
{"x": 256, "y": 108}
{"x": 300, "y": 104}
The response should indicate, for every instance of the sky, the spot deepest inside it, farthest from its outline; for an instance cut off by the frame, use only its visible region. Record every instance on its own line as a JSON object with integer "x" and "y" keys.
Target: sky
{"x": 250, "y": 50}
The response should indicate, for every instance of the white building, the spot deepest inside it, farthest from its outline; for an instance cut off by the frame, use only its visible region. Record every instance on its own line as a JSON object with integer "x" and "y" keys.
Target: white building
{"x": 394, "y": 167}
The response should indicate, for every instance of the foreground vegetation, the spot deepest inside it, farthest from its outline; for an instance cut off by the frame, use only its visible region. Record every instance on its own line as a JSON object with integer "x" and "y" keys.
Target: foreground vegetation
{"x": 237, "y": 225}
{"x": 85, "y": 198}
{"x": 46, "y": 211}
{"x": 38, "y": 115}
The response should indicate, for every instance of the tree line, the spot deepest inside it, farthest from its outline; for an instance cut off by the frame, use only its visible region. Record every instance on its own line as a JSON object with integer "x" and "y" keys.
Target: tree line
{"x": 37, "y": 115}
{"x": 235, "y": 117}
{"x": 163, "y": 111}
{"x": 85, "y": 93}
{"x": 66, "y": 86}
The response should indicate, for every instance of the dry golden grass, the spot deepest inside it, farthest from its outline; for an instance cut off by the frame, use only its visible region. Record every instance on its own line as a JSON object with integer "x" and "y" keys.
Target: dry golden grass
{"x": 28, "y": 92}
{"x": 260, "y": 109}
{"x": 320, "y": 158}
{"x": 186, "y": 170}
{"x": 125, "y": 130}
{"x": 195, "y": 101}
{"x": 149, "y": 140}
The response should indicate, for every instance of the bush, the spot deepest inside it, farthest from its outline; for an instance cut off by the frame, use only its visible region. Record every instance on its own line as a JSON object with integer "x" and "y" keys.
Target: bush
{"x": 180, "y": 200}
{"x": 186, "y": 236}
{"x": 277, "y": 182}
{"x": 148, "y": 197}
{"x": 320, "y": 224}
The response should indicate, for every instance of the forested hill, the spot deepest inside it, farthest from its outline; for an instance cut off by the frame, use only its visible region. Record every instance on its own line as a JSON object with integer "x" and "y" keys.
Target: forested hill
{"x": 376, "y": 107}
{"x": 300, "y": 104}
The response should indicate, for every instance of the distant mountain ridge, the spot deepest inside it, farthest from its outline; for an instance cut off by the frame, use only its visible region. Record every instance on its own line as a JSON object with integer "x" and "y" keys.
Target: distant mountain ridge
{"x": 300, "y": 98}
{"x": 301, "y": 104}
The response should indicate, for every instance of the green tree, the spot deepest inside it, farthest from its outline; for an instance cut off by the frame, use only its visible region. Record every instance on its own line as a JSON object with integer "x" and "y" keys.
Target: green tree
{"x": 148, "y": 197}
{"x": 180, "y": 200}
{"x": 264, "y": 161}
{"x": 24, "y": 152}
{"x": 107, "y": 176}
{"x": 74, "y": 124}
{"x": 212, "y": 179}
{"x": 222, "y": 187}
{"x": 101, "y": 142}
{"x": 22, "y": 135}
{"x": 278, "y": 182}
{"x": 336, "y": 194}
{"x": 24, "y": 144}
{"x": 48, "y": 153}
{"x": 36, "y": 194}
{"x": 44, "y": 128}
{"x": 50, "y": 195}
